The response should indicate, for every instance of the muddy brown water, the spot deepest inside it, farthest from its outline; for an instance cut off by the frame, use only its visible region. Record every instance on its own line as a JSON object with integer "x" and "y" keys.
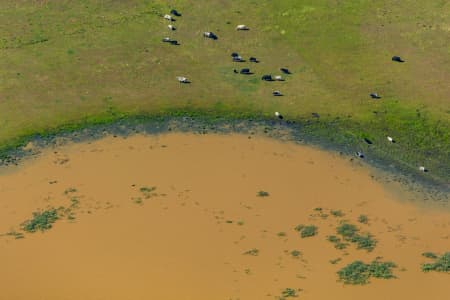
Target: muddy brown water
{"x": 186, "y": 238}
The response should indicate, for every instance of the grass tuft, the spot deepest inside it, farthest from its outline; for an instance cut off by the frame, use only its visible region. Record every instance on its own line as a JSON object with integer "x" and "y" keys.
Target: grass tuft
{"x": 306, "y": 231}
{"x": 359, "y": 272}
{"x": 440, "y": 264}
{"x": 252, "y": 252}
{"x": 363, "y": 219}
{"x": 262, "y": 194}
{"x": 351, "y": 233}
{"x": 41, "y": 221}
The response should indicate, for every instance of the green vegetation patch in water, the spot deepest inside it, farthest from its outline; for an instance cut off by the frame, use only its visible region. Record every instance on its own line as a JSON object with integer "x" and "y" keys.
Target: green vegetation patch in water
{"x": 41, "y": 221}
{"x": 440, "y": 264}
{"x": 359, "y": 272}
{"x": 306, "y": 230}
{"x": 351, "y": 234}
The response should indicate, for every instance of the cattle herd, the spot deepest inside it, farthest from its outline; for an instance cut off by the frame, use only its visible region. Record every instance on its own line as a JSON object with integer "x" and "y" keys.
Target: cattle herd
{"x": 266, "y": 77}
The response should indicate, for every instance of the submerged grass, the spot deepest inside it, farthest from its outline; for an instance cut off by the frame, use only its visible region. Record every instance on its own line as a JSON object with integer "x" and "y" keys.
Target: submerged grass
{"x": 42, "y": 220}
{"x": 359, "y": 272}
{"x": 440, "y": 264}
{"x": 351, "y": 234}
{"x": 306, "y": 230}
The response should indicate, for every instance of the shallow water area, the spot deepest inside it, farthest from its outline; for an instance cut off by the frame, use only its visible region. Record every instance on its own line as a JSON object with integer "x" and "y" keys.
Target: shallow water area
{"x": 170, "y": 217}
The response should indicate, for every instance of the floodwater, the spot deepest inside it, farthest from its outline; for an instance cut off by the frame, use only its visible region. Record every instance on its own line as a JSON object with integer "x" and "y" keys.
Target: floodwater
{"x": 185, "y": 239}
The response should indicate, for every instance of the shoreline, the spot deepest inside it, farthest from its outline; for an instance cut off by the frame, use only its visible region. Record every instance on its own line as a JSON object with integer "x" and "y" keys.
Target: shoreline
{"x": 309, "y": 133}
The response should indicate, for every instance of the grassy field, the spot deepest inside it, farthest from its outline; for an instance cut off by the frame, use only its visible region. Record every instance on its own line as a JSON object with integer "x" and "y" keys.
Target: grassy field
{"x": 78, "y": 62}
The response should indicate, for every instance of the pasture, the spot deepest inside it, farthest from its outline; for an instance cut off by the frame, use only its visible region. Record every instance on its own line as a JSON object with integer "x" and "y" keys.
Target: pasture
{"x": 66, "y": 63}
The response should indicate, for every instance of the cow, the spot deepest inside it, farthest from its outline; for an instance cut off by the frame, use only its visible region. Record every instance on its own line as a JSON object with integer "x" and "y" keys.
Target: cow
{"x": 238, "y": 59}
{"x": 175, "y": 13}
{"x": 279, "y": 78}
{"x": 375, "y": 96}
{"x": 234, "y": 54}
{"x": 171, "y": 27}
{"x": 277, "y": 93}
{"x": 278, "y": 115}
{"x": 253, "y": 59}
{"x": 169, "y": 17}
{"x": 359, "y": 154}
{"x": 369, "y": 142}
{"x": 267, "y": 78}
{"x": 397, "y": 59}
{"x": 210, "y": 35}
{"x": 423, "y": 169}
{"x": 285, "y": 71}
{"x": 245, "y": 71}
{"x": 390, "y": 139}
{"x": 182, "y": 79}
{"x": 242, "y": 27}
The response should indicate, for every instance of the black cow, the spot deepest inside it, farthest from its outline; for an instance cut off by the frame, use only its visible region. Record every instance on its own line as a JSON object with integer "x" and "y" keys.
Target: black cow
{"x": 277, "y": 93}
{"x": 253, "y": 59}
{"x": 375, "y": 96}
{"x": 397, "y": 59}
{"x": 267, "y": 78}
{"x": 245, "y": 71}
{"x": 238, "y": 59}
{"x": 368, "y": 141}
{"x": 175, "y": 13}
{"x": 234, "y": 54}
{"x": 285, "y": 71}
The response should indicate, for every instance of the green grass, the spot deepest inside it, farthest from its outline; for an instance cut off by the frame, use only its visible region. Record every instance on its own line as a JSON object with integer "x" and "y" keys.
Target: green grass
{"x": 41, "y": 221}
{"x": 288, "y": 293}
{"x": 440, "y": 264}
{"x": 59, "y": 61}
{"x": 262, "y": 194}
{"x": 359, "y": 272}
{"x": 306, "y": 230}
{"x": 337, "y": 213}
{"x": 335, "y": 261}
{"x": 295, "y": 253}
{"x": 351, "y": 233}
{"x": 148, "y": 191}
{"x": 363, "y": 219}
{"x": 70, "y": 190}
{"x": 338, "y": 244}
{"x": 15, "y": 234}
{"x": 252, "y": 252}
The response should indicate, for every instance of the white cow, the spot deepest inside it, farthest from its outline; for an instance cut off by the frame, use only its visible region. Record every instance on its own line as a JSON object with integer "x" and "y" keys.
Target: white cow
{"x": 422, "y": 168}
{"x": 171, "y": 27}
{"x": 390, "y": 139}
{"x": 168, "y": 17}
{"x": 279, "y": 78}
{"x": 242, "y": 27}
{"x": 182, "y": 79}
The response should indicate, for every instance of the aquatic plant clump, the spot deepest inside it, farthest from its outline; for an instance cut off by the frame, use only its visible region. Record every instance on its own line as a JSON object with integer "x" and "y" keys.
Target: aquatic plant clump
{"x": 359, "y": 272}
{"x": 262, "y": 194}
{"x": 41, "y": 221}
{"x": 306, "y": 231}
{"x": 252, "y": 252}
{"x": 350, "y": 233}
{"x": 287, "y": 293}
{"x": 440, "y": 264}
{"x": 363, "y": 219}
